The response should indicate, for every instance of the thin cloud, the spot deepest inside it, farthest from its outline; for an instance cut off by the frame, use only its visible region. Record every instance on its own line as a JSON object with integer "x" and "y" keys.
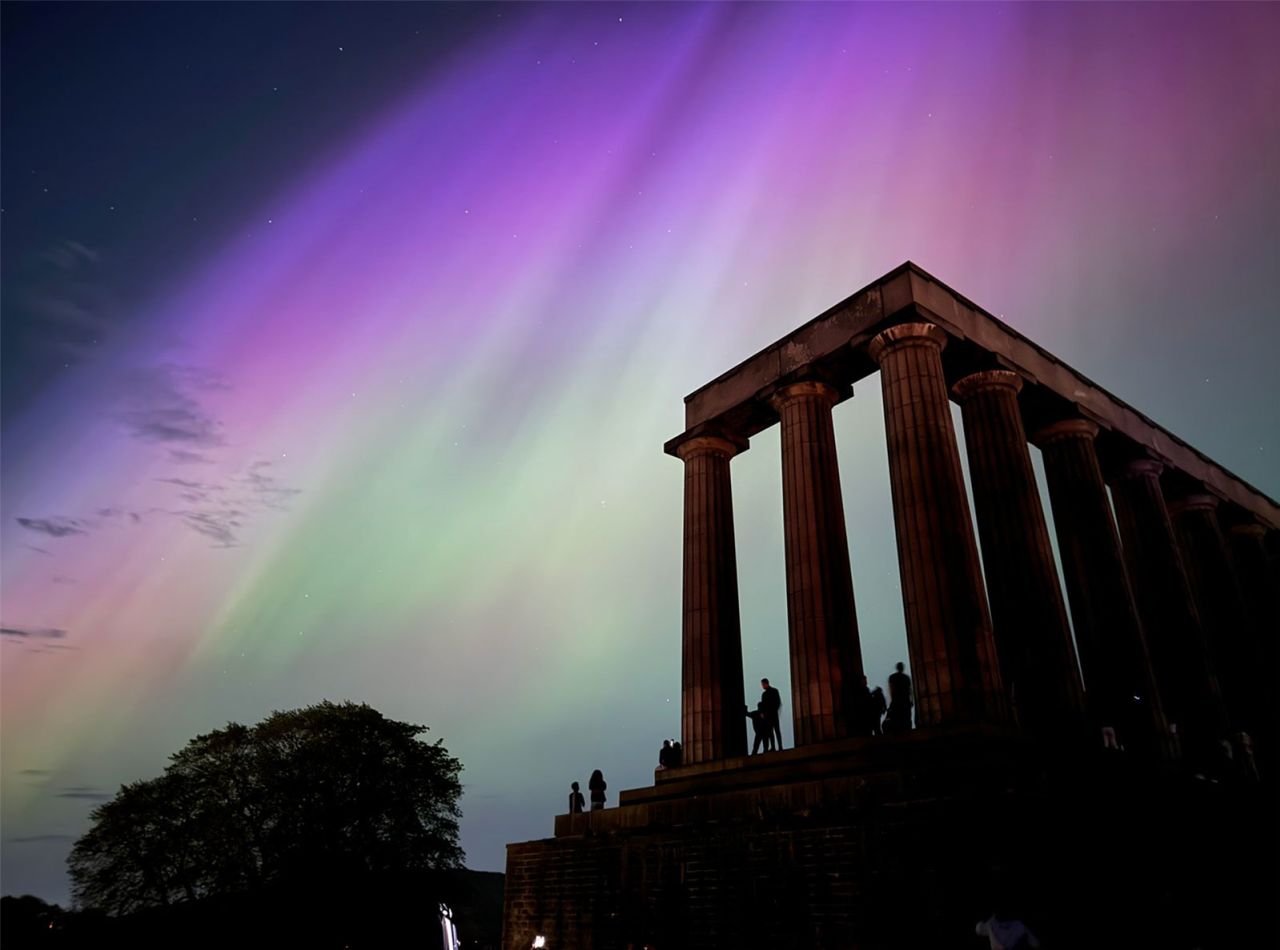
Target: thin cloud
{"x": 66, "y": 304}
{"x": 33, "y": 633}
{"x": 134, "y": 516}
{"x": 186, "y": 457}
{"x": 219, "y": 525}
{"x": 70, "y": 255}
{"x": 219, "y": 511}
{"x": 56, "y": 526}
{"x": 89, "y": 793}
{"x": 30, "y": 640}
{"x": 269, "y": 490}
{"x": 38, "y": 839}
{"x": 161, "y": 406}
{"x": 61, "y": 526}
{"x": 184, "y": 482}
{"x": 193, "y": 491}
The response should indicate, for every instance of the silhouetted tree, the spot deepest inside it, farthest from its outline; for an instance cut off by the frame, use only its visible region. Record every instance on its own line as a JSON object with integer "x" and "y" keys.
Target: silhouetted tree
{"x": 329, "y": 791}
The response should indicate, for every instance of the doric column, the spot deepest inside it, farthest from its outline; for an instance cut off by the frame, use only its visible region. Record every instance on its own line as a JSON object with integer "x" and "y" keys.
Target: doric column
{"x": 1120, "y": 688}
{"x": 948, "y": 628}
{"x": 1033, "y": 638}
{"x": 1271, "y": 544}
{"x": 1253, "y": 572}
{"x": 711, "y": 698}
{"x": 826, "y": 659}
{"x": 1221, "y": 607}
{"x": 1248, "y": 542}
{"x": 1179, "y": 654}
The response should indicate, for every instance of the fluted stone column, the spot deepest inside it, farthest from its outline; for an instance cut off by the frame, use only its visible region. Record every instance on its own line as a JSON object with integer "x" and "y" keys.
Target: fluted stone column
{"x": 1262, "y": 599}
{"x": 1221, "y": 606}
{"x": 1179, "y": 654}
{"x": 826, "y": 658}
{"x": 712, "y": 724}
{"x": 1271, "y": 544}
{"x": 1032, "y": 636}
{"x": 1120, "y": 686}
{"x": 953, "y": 661}
{"x": 1253, "y": 570}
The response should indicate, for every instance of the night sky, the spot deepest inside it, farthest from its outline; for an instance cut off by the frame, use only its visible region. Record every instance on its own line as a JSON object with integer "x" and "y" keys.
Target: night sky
{"x": 340, "y": 341}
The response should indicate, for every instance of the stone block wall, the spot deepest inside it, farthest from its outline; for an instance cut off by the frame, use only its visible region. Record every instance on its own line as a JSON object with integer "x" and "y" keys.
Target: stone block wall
{"x": 1088, "y": 859}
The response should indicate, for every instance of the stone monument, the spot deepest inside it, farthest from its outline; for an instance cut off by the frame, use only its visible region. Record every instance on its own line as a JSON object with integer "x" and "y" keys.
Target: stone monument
{"x": 1093, "y": 771}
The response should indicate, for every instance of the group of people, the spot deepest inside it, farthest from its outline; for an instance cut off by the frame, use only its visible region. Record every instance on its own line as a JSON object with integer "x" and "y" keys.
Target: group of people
{"x": 671, "y": 755}
{"x": 874, "y": 715}
{"x": 765, "y": 723}
{"x": 877, "y": 717}
{"x": 596, "y": 785}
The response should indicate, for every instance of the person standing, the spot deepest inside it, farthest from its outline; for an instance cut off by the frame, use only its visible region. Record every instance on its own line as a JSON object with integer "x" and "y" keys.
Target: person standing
{"x": 597, "y": 785}
{"x": 771, "y": 706}
{"x": 878, "y": 708}
{"x": 577, "y": 804}
{"x": 899, "y": 717}
{"x": 762, "y": 729}
{"x": 864, "y": 724}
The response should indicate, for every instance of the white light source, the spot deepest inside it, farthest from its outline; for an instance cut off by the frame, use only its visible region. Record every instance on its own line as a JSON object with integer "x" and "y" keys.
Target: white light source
{"x": 539, "y": 941}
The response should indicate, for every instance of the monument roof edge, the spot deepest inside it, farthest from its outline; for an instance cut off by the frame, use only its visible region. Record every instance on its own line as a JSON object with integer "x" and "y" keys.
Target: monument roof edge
{"x": 1107, "y": 422}
{"x": 904, "y": 268}
{"x": 926, "y": 295}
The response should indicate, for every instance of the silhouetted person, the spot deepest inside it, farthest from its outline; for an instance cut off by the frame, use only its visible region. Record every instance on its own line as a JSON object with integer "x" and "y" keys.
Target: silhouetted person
{"x": 597, "y": 785}
{"x": 762, "y": 728}
{"x": 677, "y": 754}
{"x": 771, "y": 705}
{"x": 877, "y": 709}
{"x": 899, "y": 717}
{"x": 862, "y": 710}
{"x": 577, "y": 804}
{"x": 664, "y": 755}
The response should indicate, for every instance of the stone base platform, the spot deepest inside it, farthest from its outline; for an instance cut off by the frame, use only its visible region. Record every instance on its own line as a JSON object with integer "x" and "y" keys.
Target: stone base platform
{"x": 901, "y": 841}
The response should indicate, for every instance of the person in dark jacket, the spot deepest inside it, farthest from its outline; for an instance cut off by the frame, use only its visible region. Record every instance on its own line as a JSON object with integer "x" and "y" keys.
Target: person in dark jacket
{"x": 862, "y": 714}
{"x": 771, "y": 705}
{"x": 899, "y": 717}
{"x": 597, "y": 786}
{"x": 878, "y": 709}
{"x": 762, "y": 728}
{"x": 577, "y": 804}
{"x": 664, "y": 755}
{"x": 677, "y": 754}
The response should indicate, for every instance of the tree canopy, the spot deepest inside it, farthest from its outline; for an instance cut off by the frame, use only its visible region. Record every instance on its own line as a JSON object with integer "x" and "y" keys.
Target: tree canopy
{"x": 331, "y": 790}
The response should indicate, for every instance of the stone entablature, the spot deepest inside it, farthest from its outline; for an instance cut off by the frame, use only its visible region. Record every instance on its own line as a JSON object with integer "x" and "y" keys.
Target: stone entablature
{"x": 836, "y": 341}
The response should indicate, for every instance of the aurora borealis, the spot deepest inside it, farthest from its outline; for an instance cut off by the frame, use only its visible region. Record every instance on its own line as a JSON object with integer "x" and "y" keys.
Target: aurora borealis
{"x": 383, "y": 422}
